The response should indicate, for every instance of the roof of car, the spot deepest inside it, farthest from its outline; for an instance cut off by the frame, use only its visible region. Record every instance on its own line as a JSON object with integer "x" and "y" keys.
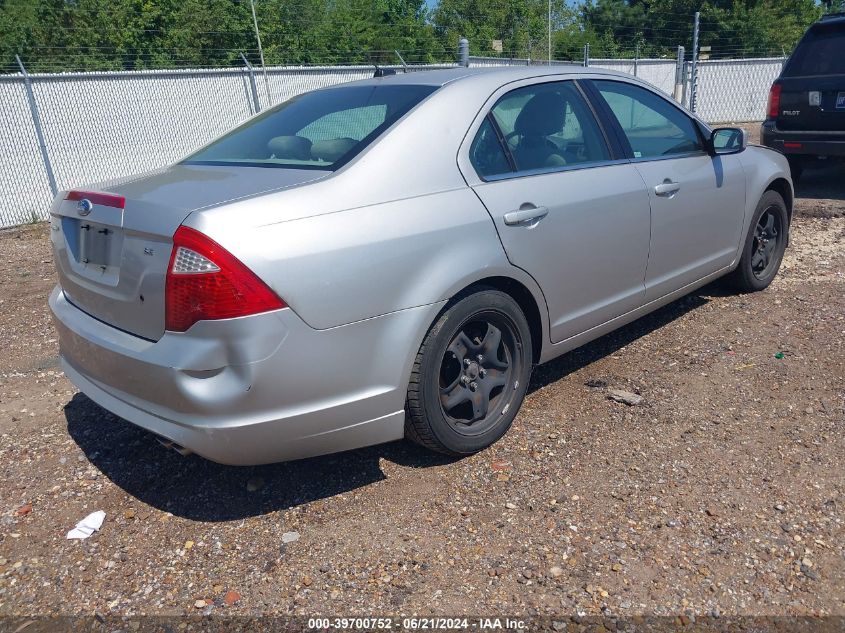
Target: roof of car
{"x": 505, "y": 73}
{"x": 833, "y": 17}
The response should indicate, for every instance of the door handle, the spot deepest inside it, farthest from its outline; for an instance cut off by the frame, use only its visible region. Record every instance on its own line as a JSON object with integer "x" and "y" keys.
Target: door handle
{"x": 525, "y": 215}
{"x": 668, "y": 188}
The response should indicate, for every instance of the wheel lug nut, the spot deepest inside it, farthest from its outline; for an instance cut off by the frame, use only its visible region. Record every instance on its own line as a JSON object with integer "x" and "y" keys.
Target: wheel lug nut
{"x": 482, "y": 372}
{"x": 480, "y": 358}
{"x": 473, "y": 386}
{"x": 464, "y": 380}
{"x": 467, "y": 362}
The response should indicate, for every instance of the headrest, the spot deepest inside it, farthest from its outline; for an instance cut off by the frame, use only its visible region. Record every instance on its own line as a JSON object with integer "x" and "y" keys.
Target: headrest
{"x": 333, "y": 149}
{"x": 544, "y": 114}
{"x": 296, "y": 147}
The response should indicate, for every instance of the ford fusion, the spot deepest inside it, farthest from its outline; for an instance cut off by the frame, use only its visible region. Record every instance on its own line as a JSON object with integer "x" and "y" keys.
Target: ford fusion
{"x": 390, "y": 257}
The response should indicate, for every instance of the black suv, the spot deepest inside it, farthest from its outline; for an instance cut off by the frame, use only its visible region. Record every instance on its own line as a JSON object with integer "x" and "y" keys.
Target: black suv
{"x": 806, "y": 116}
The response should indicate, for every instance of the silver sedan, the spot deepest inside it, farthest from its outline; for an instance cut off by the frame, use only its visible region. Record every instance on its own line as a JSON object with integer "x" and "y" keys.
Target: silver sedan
{"x": 389, "y": 258}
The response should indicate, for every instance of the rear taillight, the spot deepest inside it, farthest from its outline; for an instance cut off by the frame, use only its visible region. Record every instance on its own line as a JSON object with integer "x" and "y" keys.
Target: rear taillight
{"x": 205, "y": 282}
{"x": 774, "y": 101}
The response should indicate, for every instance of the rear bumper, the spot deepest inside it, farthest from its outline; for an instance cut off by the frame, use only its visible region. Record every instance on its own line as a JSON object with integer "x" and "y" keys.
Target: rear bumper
{"x": 795, "y": 142}
{"x": 253, "y": 390}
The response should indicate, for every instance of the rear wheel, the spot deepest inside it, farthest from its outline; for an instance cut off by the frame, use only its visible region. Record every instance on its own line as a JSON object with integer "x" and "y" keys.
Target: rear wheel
{"x": 764, "y": 245}
{"x": 470, "y": 374}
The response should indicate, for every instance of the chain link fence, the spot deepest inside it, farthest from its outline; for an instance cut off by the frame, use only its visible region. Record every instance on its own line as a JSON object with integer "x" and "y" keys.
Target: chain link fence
{"x": 23, "y": 175}
{"x": 736, "y": 89}
{"x": 106, "y": 125}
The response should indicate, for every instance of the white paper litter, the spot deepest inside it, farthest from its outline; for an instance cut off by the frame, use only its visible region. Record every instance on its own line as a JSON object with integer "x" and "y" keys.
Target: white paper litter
{"x": 87, "y": 526}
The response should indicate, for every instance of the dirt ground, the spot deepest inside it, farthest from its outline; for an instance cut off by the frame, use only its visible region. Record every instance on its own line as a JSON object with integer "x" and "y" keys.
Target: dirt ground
{"x": 722, "y": 493}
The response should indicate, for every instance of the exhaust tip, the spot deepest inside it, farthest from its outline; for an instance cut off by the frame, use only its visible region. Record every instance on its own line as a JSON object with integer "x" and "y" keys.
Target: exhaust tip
{"x": 184, "y": 452}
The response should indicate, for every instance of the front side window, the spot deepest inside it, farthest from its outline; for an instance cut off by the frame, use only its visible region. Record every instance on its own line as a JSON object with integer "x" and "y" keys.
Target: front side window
{"x": 542, "y": 126}
{"x": 317, "y": 130}
{"x": 652, "y": 125}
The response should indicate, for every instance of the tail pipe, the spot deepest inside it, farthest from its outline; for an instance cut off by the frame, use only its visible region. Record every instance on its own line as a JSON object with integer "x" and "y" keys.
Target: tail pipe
{"x": 184, "y": 452}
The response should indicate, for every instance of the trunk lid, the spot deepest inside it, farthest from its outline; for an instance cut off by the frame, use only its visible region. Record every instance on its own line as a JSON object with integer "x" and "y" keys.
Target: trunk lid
{"x": 813, "y": 81}
{"x": 112, "y": 249}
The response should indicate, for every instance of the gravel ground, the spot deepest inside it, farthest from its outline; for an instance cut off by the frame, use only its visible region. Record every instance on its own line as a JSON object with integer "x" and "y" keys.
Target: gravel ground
{"x": 722, "y": 492}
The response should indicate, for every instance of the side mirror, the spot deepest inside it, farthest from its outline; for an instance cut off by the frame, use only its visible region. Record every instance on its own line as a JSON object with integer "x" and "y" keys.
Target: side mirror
{"x": 728, "y": 140}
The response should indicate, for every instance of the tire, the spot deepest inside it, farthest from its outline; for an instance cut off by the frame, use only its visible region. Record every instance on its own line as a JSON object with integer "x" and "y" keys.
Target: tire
{"x": 449, "y": 384}
{"x": 763, "y": 250}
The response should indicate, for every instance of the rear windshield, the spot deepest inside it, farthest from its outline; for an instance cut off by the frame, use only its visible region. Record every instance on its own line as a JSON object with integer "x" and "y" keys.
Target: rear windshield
{"x": 821, "y": 52}
{"x": 318, "y": 130}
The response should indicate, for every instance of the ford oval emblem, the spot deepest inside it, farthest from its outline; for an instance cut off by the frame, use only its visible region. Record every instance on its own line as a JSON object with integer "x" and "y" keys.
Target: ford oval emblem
{"x": 84, "y": 206}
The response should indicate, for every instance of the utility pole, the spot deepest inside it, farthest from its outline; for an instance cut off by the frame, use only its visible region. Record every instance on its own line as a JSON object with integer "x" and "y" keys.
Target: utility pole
{"x": 550, "y": 32}
{"x": 260, "y": 51}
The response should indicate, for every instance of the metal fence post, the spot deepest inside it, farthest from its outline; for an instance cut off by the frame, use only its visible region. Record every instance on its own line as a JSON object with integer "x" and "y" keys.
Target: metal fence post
{"x": 36, "y": 121}
{"x": 694, "y": 79}
{"x": 679, "y": 76}
{"x": 260, "y": 51}
{"x": 586, "y": 54}
{"x": 255, "y": 102}
{"x": 636, "y": 59}
{"x": 463, "y": 52}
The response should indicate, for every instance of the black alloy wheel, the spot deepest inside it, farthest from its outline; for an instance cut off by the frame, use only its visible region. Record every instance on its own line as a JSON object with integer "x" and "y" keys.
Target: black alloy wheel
{"x": 764, "y": 245}
{"x": 470, "y": 374}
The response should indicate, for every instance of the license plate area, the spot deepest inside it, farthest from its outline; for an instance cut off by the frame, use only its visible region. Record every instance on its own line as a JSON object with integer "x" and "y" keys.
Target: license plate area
{"x": 97, "y": 250}
{"x": 94, "y": 244}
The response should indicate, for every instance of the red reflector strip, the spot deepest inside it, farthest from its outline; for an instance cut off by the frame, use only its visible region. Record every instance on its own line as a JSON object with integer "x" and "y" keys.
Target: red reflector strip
{"x": 98, "y": 197}
{"x": 792, "y": 145}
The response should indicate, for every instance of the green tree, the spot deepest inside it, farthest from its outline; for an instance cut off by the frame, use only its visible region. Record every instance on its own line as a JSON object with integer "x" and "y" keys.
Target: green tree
{"x": 521, "y": 25}
{"x": 61, "y": 35}
{"x": 731, "y": 28}
{"x": 209, "y": 33}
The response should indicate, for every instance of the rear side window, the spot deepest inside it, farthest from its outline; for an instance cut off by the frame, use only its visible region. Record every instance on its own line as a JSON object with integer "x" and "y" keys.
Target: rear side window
{"x": 487, "y": 153}
{"x": 821, "y": 52}
{"x": 652, "y": 125}
{"x": 318, "y": 130}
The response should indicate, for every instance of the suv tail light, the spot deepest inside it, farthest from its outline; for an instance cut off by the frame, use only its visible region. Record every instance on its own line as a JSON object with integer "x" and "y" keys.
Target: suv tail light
{"x": 205, "y": 281}
{"x": 774, "y": 101}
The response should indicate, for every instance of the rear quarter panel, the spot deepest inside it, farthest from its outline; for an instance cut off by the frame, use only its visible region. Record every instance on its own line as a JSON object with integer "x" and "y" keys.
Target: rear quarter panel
{"x": 342, "y": 267}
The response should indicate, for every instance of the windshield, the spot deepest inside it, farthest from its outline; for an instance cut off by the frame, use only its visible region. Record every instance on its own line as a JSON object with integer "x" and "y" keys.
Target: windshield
{"x": 317, "y": 130}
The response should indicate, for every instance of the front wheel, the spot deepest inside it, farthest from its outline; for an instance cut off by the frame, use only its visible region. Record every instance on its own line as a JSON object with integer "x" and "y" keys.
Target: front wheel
{"x": 764, "y": 245}
{"x": 470, "y": 375}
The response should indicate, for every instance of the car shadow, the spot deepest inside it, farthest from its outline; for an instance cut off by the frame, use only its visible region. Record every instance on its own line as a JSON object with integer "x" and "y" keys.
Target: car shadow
{"x": 195, "y": 488}
{"x": 611, "y": 343}
{"x": 822, "y": 182}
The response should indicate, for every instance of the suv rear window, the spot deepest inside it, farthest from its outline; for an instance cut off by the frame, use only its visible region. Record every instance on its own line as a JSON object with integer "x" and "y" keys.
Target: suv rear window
{"x": 819, "y": 53}
{"x": 317, "y": 130}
